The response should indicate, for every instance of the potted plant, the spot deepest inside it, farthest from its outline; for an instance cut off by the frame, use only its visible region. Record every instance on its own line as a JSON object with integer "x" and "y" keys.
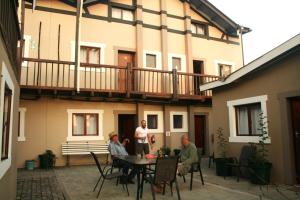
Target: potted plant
{"x": 29, "y": 164}
{"x": 221, "y": 160}
{"x": 47, "y": 160}
{"x": 259, "y": 164}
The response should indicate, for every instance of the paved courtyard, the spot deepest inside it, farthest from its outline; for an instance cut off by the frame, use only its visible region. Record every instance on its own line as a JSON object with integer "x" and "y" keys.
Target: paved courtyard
{"x": 76, "y": 183}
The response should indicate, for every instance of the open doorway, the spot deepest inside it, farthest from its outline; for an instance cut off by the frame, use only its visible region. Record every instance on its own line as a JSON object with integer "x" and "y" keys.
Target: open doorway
{"x": 200, "y": 131}
{"x": 198, "y": 68}
{"x": 126, "y": 129}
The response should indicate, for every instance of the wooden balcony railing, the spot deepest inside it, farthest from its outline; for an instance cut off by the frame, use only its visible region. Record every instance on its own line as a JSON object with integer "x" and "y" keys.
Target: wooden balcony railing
{"x": 9, "y": 30}
{"x": 60, "y": 75}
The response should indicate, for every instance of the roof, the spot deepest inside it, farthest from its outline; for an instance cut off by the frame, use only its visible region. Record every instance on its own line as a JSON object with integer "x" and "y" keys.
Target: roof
{"x": 202, "y": 7}
{"x": 265, "y": 60}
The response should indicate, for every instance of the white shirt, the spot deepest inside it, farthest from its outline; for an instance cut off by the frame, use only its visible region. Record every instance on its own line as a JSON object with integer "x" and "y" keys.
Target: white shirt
{"x": 142, "y": 132}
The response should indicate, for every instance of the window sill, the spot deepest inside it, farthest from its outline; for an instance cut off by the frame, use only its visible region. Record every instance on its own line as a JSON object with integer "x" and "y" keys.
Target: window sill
{"x": 21, "y": 139}
{"x": 4, "y": 166}
{"x": 85, "y": 138}
{"x": 247, "y": 139}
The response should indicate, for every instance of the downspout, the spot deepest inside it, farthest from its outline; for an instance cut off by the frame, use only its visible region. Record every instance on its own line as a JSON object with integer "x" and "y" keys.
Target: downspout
{"x": 242, "y": 44}
{"x": 77, "y": 44}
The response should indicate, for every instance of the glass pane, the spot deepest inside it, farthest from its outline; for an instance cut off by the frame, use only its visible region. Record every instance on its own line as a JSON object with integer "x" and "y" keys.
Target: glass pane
{"x": 6, "y": 123}
{"x": 176, "y": 63}
{"x": 91, "y": 124}
{"x": 78, "y": 124}
{"x": 152, "y": 121}
{"x": 242, "y": 121}
{"x": 177, "y": 121}
{"x": 94, "y": 56}
{"x": 116, "y": 13}
{"x": 127, "y": 15}
{"x": 200, "y": 29}
{"x": 255, "y": 114}
{"x": 225, "y": 70}
{"x": 194, "y": 28}
{"x": 151, "y": 61}
{"x": 83, "y": 55}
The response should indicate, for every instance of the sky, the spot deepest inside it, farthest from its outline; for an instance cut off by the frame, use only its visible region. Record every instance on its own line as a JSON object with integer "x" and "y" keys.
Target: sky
{"x": 272, "y": 22}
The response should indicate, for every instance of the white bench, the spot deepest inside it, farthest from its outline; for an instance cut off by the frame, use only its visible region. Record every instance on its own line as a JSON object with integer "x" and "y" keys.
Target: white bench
{"x": 83, "y": 148}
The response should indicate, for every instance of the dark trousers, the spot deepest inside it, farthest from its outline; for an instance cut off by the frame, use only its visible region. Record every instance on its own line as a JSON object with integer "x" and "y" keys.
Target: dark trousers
{"x": 142, "y": 147}
{"x": 125, "y": 168}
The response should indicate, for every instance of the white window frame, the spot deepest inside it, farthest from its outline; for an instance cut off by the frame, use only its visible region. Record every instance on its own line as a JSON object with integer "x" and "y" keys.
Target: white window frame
{"x": 223, "y": 62}
{"x": 160, "y": 121}
{"x": 182, "y": 59}
{"x": 101, "y": 46}
{"x": 85, "y": 138}
{"x": 5, "y": 164}
{"x": 158, "y": 59}
{"x": 234, "y": 138}
{"x": 27, "y": 40}
{"x": 184, "y": 128}
{"x": 22, "y": 112}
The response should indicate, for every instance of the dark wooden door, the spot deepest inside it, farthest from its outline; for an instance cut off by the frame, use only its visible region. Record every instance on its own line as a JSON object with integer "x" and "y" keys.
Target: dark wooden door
{"x": 198, "y": 69}
{"x": 124, "y": 59}
{"x": 200, "y": 128}
{"x": 127, "y": 125}
{"x": 295, "y": 105}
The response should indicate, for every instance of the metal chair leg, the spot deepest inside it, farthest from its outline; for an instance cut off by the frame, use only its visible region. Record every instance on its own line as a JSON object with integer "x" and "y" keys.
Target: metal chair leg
{"x": 97, "y": 183}
{"x": 183, "y": 178}
{"x": 127, "y": 189}
{"x": 201, "y": 176}
{"x": 171, "y": 188}
{"x": 238, "y": 174}
{"x": 177, "y": 189}
{"x": 100, "y": 188}
{"x": 153, "y": 192}
{"x": 164, "y": 188}
{"x": 191, "y": 181}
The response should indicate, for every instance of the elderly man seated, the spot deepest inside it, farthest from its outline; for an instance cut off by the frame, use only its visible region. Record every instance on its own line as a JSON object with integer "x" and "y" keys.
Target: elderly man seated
{"x": 117, "y": 149}
{"x": 188, "y": 156}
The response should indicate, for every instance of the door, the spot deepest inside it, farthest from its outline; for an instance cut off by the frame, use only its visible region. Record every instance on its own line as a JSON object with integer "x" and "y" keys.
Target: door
{"x": 200, "y": 129}
{"x": 198, "y": 69}
{"x": 127, "y": 125}
{"x": 124, "y": 59}
{"x": 295, "y": 110}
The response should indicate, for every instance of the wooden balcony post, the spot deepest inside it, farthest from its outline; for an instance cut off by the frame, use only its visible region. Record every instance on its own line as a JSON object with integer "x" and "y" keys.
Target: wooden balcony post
{"x": 77, "y": 45}
{"x": 129, "y": 79}
{"x": 175, "y": 86}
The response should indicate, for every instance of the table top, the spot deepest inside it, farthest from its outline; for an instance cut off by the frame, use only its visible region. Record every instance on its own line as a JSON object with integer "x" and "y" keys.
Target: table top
{"x": 137, "y": 160}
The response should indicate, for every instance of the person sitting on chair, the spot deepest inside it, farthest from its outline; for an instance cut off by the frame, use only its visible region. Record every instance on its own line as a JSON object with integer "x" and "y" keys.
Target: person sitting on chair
{"x": 188, "y": 156}
{"x": 117, "y": 149}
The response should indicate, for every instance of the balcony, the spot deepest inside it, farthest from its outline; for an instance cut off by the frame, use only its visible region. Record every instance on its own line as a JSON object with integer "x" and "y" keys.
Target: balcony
{"x": 51, "y": 76}
{"x": 9, "y": 30}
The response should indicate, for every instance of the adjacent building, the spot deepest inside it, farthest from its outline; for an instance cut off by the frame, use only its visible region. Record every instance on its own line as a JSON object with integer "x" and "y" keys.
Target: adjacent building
{"x": 268, "y": 85}
{"x": 139, "y": 59}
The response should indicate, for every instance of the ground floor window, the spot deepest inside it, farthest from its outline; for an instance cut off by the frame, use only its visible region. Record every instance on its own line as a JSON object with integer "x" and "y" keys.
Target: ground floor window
{"x": 85, "y": 124}
{"x": 155, "y": 121}
{"x": 178, "y": 122}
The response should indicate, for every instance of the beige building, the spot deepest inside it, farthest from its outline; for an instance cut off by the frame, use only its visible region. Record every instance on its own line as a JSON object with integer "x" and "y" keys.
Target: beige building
{"x": 9, "y": 97}
{"x": 140, "y": 59}
{"x": 268, "y": 85}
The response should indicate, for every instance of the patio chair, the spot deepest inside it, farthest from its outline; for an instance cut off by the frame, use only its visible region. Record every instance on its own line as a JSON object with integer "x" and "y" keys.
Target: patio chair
{"x": 106, "y": 175}
{"x": 242, "y": 165}
{"x": 165, "y": 173}
{"x": 195, "y": 168}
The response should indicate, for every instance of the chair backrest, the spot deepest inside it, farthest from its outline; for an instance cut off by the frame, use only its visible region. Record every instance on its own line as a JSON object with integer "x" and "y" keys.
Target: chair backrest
{"x": 247, "y": 152}
{"x": 97, "y": 163}
{"x": 166, "y": 169}
{"x": 200, "y": 153}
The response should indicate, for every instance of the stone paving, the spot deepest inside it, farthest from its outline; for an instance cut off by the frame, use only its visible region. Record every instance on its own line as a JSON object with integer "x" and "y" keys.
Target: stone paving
{"x": 77, "y": 182}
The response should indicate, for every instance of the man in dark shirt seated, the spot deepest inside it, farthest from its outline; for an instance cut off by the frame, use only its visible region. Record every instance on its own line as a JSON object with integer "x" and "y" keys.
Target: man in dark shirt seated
{"x": 118, "y": 149}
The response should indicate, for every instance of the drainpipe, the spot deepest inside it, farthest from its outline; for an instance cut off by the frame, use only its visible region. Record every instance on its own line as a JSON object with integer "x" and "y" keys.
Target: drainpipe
{"x": 242, "y": 43}
{"x": 77, "y": 44}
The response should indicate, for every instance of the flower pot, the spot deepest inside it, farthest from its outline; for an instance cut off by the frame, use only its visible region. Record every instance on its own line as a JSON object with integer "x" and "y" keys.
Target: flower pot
{"x": 221, "y": 166}
{"x": 29, "y": 164}
{"x": 262, "y": 173}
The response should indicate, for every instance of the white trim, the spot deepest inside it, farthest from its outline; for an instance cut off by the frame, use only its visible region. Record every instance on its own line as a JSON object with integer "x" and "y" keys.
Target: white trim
{"x": 182, "y": 59}
{"x": 223, "y": 62}
{"x": 21, "y": 137}
{"x": 293, "y": 42}
{"x": 160, "y": 122}
{"x": 184, "y": 128}
{"x": 85, "y": 138}
{"x": 232, "y": 118}
{"x": 5, "y": 164}
{"x": 158, "y": 59}
{"x": 26, "y": 47}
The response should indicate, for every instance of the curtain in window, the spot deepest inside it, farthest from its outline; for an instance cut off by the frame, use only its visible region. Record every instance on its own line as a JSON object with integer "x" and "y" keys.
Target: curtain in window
{"x": 194, "y": 28}
{"x": 243, "y": 127}
{"x": 91, "y": 124}
{"x": 94, "y": 56}
{"x": 200, "y": 29}
{"x": 127, "y": 15}
{"x": 78, "y": 124}
{"x": 255, "y": 111}
{"x": 6, "y": 124}
{"x": 176, "y": 63}
{"x": 116, "y": 13}
{"x": 151, "y": 61}
{"x": 83, "y": 55}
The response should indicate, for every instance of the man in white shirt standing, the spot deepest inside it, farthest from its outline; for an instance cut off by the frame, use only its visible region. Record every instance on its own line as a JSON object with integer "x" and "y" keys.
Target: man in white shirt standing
{"x": 143, "y": 138}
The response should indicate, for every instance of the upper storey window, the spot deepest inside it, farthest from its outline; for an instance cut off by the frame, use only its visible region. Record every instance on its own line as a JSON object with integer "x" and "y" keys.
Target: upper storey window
{"x": 225, "y": 70}
{"x": 89, "y": 55}
{"x": 200, "y": 29}
{"x": 123, "y": 14}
